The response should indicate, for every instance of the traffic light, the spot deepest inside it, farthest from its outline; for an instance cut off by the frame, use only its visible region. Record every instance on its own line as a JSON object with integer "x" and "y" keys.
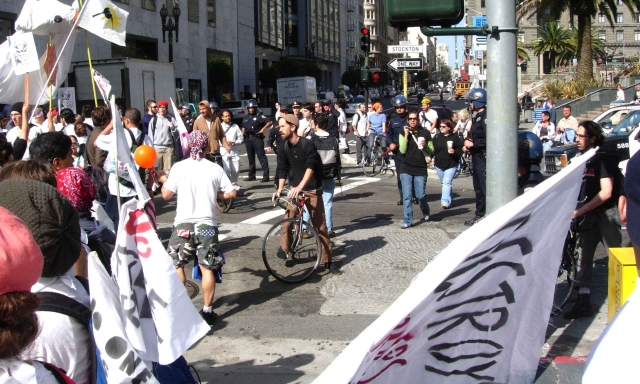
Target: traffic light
{"x": 364, "y": 75}
{"x": 378, "y": 78}
{"x": 416, "y": 13}
{"x": 366, "y": 40}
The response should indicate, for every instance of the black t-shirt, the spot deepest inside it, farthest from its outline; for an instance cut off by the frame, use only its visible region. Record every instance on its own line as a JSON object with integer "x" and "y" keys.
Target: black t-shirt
{"x": 478, "y": 132}
{"x": 300, "y": 157}
{"x": 414, "y": 163}
{"x": 600, "y": 166}
{"x": 443, "y": 159}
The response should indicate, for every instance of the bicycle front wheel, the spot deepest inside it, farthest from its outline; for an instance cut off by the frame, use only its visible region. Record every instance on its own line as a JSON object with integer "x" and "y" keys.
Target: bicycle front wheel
{"x": 567, "y": 273}
{"x": 373, "y": 163}
{"x": 224, "y": 205}
{"x": 290, "y": 252}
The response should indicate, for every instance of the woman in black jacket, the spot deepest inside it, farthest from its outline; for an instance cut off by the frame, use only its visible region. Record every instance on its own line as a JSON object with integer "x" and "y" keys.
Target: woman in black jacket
{"x": 448, "y": 149}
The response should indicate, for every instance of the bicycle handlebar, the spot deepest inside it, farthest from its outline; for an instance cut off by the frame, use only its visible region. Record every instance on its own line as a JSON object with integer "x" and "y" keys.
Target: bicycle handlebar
{"x": 283, "y": 201}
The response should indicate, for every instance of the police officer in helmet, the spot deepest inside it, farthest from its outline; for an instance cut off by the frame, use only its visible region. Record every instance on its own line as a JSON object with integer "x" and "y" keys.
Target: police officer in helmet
{"x": 253, "y": 127}
{"x": 529, "y": 159}
{"x": 187, "y": 118}
{"x": 214, "y": 108}
{"x": 397, "y": 122}
{"x": 476, "y": 144}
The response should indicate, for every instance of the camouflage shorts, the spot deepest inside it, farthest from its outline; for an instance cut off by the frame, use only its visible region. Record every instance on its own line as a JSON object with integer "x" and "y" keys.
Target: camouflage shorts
{"x": 187, "y": 239}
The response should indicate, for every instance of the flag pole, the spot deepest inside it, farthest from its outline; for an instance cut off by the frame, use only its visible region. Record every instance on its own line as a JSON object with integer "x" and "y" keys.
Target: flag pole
{"x": 75, "y": 24}
{"x": 93, "y": 82}
{"x": 115, "y": 120}
{"x": 50, "y": 86}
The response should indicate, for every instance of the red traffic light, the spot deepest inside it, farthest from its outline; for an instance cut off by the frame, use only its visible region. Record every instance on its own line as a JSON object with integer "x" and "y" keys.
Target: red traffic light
{"x": 376, "y": 78}
{"x": 365, "y": 31}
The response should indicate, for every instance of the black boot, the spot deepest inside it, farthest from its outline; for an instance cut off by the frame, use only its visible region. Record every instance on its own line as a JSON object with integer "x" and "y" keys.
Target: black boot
{"x": 582, "y": 308}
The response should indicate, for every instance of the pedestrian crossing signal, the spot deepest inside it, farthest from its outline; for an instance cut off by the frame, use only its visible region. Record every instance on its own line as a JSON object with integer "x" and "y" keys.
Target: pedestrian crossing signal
{"x": 378, "y": 78}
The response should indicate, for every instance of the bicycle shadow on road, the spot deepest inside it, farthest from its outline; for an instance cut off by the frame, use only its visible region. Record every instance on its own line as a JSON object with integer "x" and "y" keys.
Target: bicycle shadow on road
{"x": 352, "y": 249}
{"x": 283, "y": 370}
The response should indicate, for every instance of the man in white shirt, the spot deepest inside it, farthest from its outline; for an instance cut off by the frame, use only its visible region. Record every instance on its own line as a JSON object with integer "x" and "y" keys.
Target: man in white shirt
{"x": 428, "y": 117}
{"x": 195, "y": 228}
{"x": 106, "y": 141}
{"x": 277, "y": 115}
{"x": 306, "y": 122}
{"x": 342, "y": 125}
{"x": 359, "y": 122}
{"x": 231, "y": 157}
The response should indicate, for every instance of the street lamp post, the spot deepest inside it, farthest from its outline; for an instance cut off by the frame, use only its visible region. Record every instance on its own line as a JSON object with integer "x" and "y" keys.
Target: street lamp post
{"x": 170, "y": 26}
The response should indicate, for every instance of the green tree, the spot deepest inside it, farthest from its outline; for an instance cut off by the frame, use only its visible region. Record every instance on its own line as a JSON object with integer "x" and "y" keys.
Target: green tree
{"x": 557, "y": 41}
{"x": 584, "y": 11}
{"x": 423, "y": 77}
{"x": 220, "y": 78}
{"x": 445, "y": 73}
{"x": 351, "y": 78}
{"x": 268, "y": 77}
{"x": 521, "y": 51}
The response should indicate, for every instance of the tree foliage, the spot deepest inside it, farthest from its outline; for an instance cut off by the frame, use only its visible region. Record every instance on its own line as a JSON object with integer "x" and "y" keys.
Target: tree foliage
{"x": 557, "y": 41}
{"x": 351, "y": 78}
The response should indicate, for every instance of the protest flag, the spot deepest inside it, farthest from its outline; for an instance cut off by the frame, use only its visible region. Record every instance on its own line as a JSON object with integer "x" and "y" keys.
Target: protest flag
{"x": 182, "y": 130}
{"x": 104, "y": 19}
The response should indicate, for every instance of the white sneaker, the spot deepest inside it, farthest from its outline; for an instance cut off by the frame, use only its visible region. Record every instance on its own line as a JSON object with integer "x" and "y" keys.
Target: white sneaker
{"x": 425, "y": 218}
{"x": 236, "y": 187}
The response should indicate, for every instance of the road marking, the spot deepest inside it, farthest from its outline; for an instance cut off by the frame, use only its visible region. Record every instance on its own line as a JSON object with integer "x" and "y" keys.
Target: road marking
{"x": 263, "y": 217}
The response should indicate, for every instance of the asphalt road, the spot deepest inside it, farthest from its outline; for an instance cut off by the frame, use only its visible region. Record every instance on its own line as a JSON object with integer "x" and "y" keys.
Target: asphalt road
{"x": 270, "y": 332}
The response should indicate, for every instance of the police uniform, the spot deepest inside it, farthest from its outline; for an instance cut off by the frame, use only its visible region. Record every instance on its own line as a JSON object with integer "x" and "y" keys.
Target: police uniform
{"x": 332, "y": 122}
{"x": 276, "y": 142}
{"x": 254, "y": 143}
{"x": 396, "y": 128}
{"x": 478, "y": 135}
{"x": 530, "y": 179}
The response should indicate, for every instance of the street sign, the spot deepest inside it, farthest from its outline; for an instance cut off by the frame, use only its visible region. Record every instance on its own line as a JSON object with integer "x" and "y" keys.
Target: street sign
{"x": 406, "y": 64}
{"x": 479, "y": 43}
{"x": 397, "y": 49}
{"x": 479, "y": 21}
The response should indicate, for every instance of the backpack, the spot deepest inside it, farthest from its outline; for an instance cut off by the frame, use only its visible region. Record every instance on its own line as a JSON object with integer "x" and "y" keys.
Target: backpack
{"x": 134, "y": 145}
{"x": 327, "y": 147}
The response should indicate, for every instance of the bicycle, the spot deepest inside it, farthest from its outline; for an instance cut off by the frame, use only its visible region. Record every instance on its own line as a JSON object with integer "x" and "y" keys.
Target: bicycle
{"x": 224, "y": 205}
{"x": 465, "y": 165}
{"x": 568, "y": 269}
{"x": 303, "y": 256}
{"x": 374, "y": 162}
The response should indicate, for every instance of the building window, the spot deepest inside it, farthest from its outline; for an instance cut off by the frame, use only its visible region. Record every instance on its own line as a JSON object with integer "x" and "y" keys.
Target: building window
{"x": 636, "y": 35}
{"x": 291, "y": 26}
{"x": 521, "y": 36}
{"x": 601, "y": 18}
{"x": 619, "y": 18}
{"x": 211, "y": 13}
{"x": 6, "y": 25}
{"x": 370, "y": 14}
{"x": 149, "y": 4}
{"x": 619, "y": 2}
{"x": 193, "y": 11}
{"x": 601, "y": 35}
{"x": 372, "y": 30}
{"x": 619, "y": 35}
{"x": 136, "y": 47}
{"x": 547, "y": 11}
{"x": 636, "y": 17}
{"x": 195, "y": 90}
{"x": 482, "y": 4}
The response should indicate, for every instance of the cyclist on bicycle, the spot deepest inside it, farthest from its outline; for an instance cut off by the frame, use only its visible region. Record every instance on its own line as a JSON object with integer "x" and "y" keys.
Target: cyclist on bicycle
{"x": 529, "y": 158}
{"x": 301, "y": 157}
{"x": 377, "y": 127}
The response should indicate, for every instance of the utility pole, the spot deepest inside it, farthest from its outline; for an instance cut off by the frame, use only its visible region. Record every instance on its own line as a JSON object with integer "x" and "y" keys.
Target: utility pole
{"x": 502, "y": 121}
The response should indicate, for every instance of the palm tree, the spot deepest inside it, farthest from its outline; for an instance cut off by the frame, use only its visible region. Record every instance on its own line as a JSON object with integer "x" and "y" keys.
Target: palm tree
{"x": 521, "y": 51}
{"x": 555, "y": 39}
{"x": 584, "y": 11}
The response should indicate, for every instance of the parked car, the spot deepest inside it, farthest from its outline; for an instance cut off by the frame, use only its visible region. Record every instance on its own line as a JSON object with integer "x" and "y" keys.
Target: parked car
{"x": 238, "y": 109}
{"x": 420, "y": 94}
{"x": 623, "y": 141}
{"x": 610, "y": 118}
{"x": 352, "y": 105}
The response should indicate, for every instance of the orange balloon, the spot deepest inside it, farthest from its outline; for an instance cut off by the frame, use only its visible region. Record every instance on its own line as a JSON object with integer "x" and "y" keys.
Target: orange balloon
{"x": 145, "y": 156}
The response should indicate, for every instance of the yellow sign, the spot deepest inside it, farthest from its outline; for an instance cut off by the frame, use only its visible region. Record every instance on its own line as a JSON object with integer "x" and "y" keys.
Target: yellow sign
{"x": 622, "y": 278}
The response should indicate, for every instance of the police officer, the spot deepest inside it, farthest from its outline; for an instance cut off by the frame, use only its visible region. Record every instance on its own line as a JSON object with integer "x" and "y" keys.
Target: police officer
{"x": 276, "y": 142}
{"x": 529, "y": 158}
{"x": 253, "y": 127}
{"x": 295, "y": 106}
{"x": 476, "y": 144}
{"x": 187, "y": 118}
{"x": 332, "y": 118}
{"x": 397, "y": 122}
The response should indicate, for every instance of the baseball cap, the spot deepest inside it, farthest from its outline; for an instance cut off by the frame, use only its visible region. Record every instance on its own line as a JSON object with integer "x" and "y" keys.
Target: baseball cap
{"x": 632, "y": 190}
{"x": 163, "y": 103}
{"x": 291, "y": 119}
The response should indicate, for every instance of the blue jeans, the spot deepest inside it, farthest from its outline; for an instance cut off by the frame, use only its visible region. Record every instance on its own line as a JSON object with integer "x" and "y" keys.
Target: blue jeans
{"x": 328, "y": 187}
{"x": 412, "y": 184}
{"x": 446, "y": 177}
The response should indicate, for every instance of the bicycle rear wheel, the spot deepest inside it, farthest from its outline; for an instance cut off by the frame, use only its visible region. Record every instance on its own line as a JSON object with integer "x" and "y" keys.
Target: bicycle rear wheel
{"x": 303, "y": 257}
{"x": 373, "y": 163}
{"x": 224, "y": 205}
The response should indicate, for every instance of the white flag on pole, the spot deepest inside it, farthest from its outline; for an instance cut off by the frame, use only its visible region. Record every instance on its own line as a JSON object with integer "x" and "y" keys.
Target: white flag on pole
{"x": 104, "y": 19}
{"x": 182, "y": 130}
{"x": 479, "y": 311}
{"x": 103, "y": 85}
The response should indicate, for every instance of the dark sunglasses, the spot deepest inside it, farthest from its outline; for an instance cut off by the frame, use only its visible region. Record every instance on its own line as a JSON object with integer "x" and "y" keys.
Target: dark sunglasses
{"x": 412, "y": 118}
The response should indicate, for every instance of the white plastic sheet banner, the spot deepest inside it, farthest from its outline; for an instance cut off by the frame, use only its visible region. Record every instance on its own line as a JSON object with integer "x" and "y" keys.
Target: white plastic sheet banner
{"x": 479, "y": 311}
{"x": 103, "y": 84}
{"x": 120, "y": 360}
{"x": 614, "y": 358}
{"x": 182, "y": 130}
{"x": 159, "y": 319}
{"x": 104, "y": 19}
{"x": 24, "y": 56}
{"x": 43, "y": 17}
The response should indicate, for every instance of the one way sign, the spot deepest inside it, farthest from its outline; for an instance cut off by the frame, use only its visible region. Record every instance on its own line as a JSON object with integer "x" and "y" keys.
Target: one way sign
{"x": 406, "y": 64}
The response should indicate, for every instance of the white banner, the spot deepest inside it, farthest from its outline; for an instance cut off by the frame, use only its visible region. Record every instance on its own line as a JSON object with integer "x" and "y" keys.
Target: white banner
{"x": 160, "y": 321}
{"x": 67, "y": 99}
{"x": 479, "y": 311}
{"x": 103, "y": 85}
{"x": 120, "y": 360}
{"x": 182, "y": 130}
{"x": 23, "y": 53}
{"x": 104, "y": 19}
